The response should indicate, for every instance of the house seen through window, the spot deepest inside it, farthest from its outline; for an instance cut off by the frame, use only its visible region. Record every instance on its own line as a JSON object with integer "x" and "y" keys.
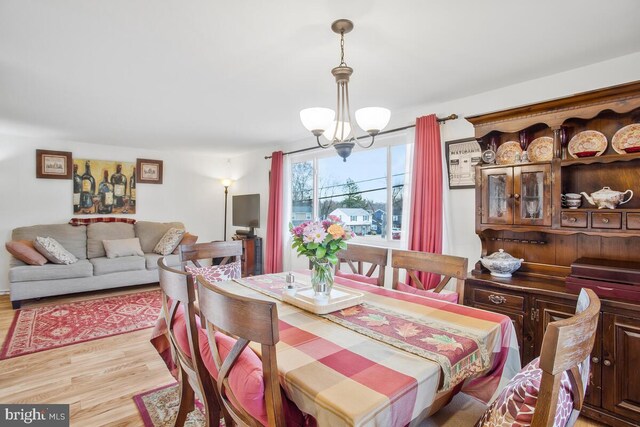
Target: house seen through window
{"x": 361, "y": 191}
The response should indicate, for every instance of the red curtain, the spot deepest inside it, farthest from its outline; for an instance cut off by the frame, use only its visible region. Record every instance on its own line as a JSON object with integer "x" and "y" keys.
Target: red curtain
{"x": 425, "y": 234}
{"x": 273, "y": 250}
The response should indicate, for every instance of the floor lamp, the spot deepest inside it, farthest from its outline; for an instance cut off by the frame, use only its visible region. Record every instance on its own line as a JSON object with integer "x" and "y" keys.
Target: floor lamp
{"x": 226, "y": 183}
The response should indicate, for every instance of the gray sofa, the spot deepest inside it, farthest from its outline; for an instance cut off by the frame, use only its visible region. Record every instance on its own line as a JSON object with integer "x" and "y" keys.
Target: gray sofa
{"x": 94, "y": 270}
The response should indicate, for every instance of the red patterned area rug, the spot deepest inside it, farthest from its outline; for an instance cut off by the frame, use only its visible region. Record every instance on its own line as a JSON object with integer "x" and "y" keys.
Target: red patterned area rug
{"x": 159, "y": 408}
{"x": 47, "y": 327}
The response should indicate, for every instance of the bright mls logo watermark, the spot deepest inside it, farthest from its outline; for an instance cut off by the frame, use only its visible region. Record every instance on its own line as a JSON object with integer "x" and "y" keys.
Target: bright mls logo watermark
{"x": 34, "y": 415}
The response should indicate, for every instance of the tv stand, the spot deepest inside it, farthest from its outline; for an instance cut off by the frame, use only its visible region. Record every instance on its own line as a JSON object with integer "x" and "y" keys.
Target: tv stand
{"x": 251, "y": 261}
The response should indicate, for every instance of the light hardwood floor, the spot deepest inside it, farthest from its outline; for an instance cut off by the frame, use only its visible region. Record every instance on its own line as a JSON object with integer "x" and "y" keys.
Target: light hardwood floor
{"x": 97, "y": 379}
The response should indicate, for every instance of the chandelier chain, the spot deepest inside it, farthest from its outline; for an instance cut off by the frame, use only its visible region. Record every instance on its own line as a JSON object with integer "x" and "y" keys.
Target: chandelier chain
{"x": 342, "y": 63}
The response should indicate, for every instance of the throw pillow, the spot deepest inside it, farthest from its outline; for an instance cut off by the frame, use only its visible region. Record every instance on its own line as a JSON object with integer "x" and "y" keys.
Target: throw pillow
{"x": 216, "y": 273}
{"x": 169, "y": 241}
{"x": 187, "y": 239}
{"x": 358, "y": 277}
{"x": 442, "y": 296}
{"x": 516, "y": 403}
{"x": 25, "y": 252}
{"x": 122, "y": 247}
{"x": 53, "y": 251}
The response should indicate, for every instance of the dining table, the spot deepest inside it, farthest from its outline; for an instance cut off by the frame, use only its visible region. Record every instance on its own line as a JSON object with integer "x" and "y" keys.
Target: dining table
{"x": 392, "y": 360}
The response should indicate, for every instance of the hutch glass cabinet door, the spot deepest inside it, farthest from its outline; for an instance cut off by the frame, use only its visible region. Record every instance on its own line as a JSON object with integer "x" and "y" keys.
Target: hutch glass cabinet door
{"x": 532, "y": 198}
{"x": 497, "y": 193}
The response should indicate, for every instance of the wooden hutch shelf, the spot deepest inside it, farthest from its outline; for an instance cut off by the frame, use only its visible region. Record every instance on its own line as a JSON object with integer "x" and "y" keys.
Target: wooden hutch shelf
{"x": 519, "y": 209}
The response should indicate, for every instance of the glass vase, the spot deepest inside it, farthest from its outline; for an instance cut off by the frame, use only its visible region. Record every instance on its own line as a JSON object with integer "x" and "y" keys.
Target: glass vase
{"x": 321, "y": 278}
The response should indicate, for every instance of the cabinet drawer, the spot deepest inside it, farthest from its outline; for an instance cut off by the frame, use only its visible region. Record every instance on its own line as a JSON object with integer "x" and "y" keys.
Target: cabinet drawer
{"x": 606, "y": 220}
{"x": 574, "y": 219}
{"x": 498, "y": 299}
{"x": 633, "y": 221}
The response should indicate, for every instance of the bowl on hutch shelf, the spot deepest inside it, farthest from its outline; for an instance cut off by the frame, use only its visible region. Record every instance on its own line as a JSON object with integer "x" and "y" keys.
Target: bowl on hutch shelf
{"x": 501, "y": 264}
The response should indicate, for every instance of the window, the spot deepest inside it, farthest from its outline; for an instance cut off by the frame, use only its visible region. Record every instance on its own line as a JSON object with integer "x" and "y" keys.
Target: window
{"x": 367, "y": 191}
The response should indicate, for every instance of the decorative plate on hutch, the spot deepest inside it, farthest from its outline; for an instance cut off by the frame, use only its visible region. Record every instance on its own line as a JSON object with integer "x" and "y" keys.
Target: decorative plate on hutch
{"x": 541, "y": 149}
{"x": 627, "y": 139}
{"x": 587, "y": 144}
{"x": 507, "y": 152}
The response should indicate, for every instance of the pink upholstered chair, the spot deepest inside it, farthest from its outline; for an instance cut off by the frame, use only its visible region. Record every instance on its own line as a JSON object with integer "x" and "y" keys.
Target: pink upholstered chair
{"x": 178, "y": 298}
{"x": 248, "y": 384}
{"x": 446, "y": 266}
{"x": 356, "y": 256}
{"x": 550, "y": 390}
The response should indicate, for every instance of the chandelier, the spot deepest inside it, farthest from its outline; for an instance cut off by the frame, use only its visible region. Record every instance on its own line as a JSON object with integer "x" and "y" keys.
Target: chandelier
{"x": 337, "y": 126}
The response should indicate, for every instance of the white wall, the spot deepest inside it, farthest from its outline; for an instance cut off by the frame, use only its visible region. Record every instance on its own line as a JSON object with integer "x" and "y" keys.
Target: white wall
{"x": 461, "y": 223}
{"x": 191, "y": 192}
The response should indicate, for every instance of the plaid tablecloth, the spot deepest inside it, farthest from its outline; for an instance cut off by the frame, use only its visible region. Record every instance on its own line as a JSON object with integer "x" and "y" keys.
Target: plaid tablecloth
{"x": 343, "y": 376}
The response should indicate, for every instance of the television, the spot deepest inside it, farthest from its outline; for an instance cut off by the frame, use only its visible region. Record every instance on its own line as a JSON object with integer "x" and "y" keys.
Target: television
{"x": 246, "y": 212}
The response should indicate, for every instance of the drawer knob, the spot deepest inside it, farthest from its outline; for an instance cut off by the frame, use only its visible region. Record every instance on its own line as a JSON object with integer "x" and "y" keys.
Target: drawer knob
{"x": 497, "y": 299}
{"x": 572, "y": 219}
{"x": 605, "y": 220}
{"x": 595, "y": 360}
{"x": 607, "y": 362}
{"x": 516, "y": 196}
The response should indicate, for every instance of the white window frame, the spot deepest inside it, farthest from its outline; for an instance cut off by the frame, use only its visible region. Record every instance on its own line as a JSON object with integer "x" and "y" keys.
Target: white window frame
{"x": 385, "y": 141}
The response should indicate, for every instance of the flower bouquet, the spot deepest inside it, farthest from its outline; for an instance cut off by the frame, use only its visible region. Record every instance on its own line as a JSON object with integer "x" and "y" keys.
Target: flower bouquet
{"x": 320, "y": 241}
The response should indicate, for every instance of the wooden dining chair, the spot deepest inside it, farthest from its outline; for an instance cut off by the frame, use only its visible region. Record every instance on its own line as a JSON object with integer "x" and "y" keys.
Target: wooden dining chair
{"x": 222, "y": 252}
{"x": 447, "y": 266}
{"x": 248, "y": 320}
{"x": 178, "y": 299}
{"x": 561, "y": 371}
{"x": 357, "y": 256}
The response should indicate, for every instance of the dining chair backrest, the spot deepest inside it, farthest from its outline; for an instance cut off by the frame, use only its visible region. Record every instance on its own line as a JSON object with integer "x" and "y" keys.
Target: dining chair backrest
{"x": 566, "y": 347}
{"x": 247, "y": 320}
{"x": 356, "y": 256}
{"x": 447, "y": 266}
{"x": 178, "y": 291}
{"x": 212, "y": 250}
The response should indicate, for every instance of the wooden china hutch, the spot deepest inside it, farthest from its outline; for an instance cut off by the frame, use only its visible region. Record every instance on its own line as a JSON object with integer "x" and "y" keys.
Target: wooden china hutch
{"x": 519, "y": 208}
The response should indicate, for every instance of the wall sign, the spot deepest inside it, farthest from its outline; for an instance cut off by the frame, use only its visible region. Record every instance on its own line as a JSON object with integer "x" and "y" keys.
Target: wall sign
{"x": 462, "y": 157}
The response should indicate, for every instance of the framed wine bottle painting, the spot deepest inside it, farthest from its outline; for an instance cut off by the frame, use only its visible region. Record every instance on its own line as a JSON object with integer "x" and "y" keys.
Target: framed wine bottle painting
{"x": 103, "y": 187}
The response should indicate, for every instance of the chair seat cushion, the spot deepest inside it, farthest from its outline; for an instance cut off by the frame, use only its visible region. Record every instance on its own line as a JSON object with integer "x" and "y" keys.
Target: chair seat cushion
{"x": 358, "y": 277}
{"x": 246, "y": 377}
{"x": 517, "y": 402}
{"x": 444, "y": 295}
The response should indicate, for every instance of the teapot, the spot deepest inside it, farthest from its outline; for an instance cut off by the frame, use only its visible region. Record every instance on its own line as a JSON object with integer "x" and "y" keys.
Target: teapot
{"x": 607, "y": 198}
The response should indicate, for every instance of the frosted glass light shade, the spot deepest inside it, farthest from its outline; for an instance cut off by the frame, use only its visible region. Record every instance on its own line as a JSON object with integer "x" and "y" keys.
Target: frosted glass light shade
{"x": 317, "y": 118}
{"x": 226, "y": 182}
{"x": 329, "y": 133}
{"x": 373, "y": 118}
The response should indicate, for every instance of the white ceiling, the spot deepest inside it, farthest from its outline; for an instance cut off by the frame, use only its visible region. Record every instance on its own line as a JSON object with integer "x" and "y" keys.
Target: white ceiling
{"x": 233, "y": 75}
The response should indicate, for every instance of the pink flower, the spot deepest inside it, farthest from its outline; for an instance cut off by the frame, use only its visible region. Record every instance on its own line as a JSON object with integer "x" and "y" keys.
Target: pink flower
{"x": 314, "y": 233}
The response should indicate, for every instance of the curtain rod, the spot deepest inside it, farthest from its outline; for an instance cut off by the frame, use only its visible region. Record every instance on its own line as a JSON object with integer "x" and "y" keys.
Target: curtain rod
{"x": 439, "y": 120}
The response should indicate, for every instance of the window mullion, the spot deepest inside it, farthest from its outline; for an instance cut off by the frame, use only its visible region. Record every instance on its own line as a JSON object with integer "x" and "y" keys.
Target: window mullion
{"x": 389, "y": 219}
{"x": 316, "y": 201}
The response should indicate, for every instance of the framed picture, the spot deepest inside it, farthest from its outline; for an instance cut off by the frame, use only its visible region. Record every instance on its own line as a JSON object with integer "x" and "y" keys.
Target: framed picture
{"x": 149, "y": 171}
{"x": 104, "y": 187}
{"x": 53, "y": 164}
{"x": 462, "y": 157}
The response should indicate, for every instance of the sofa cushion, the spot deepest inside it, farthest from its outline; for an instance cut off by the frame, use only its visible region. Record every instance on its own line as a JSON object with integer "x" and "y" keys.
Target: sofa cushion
{"x": 122, "y": 247}
{"x": 100, "y": 231}
{"x": 106, "y": 265}
{"x": 150, "y": 233}
{"x": 32, "y": 273}
{"x": 152, "y": 260}
{"x": 25, "y": 252}
{"x": 169, "y": 241}
{"x": 53, "y": 251}
{"x": 73, "y": 239}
